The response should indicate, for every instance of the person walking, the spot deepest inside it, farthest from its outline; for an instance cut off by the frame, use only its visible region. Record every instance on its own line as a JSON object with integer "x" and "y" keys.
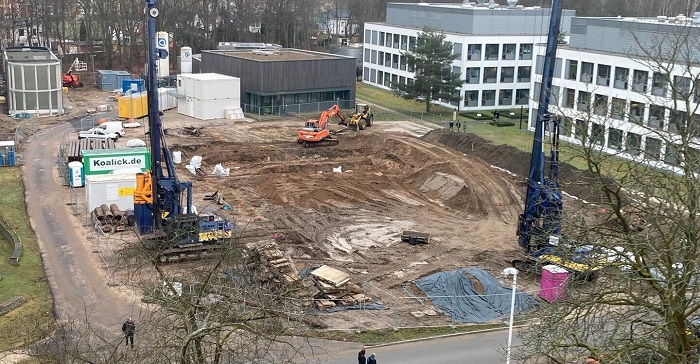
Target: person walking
{"x": 361, "y": 357}
{"x": 452, "y": 123}
{"x": 372, "y": 359}
{"x": 459, "y": 126}
{"x": 128, "y": 329}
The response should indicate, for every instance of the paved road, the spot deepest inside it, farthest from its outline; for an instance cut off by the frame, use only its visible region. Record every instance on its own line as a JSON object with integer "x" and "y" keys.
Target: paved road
{"x": 486, "y": 348}
{"x": 78, "y": 286}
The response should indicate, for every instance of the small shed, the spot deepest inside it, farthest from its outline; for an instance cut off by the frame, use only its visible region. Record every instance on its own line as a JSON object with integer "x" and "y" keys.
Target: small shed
{"x": 109, "y": 80}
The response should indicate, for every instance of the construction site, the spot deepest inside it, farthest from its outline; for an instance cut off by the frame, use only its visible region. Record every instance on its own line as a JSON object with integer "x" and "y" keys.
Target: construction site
{"x": 347, "y": 208}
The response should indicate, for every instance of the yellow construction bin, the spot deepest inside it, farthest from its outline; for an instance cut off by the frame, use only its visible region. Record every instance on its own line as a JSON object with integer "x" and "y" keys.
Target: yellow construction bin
{"x": 133, "y": 106}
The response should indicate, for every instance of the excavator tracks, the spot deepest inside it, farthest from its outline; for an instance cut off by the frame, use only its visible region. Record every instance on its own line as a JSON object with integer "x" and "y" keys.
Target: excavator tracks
{"x": 322, "y": 143}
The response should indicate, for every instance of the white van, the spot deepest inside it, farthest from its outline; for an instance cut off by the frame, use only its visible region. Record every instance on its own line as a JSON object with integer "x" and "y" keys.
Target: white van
{"x": 116, "y": 127}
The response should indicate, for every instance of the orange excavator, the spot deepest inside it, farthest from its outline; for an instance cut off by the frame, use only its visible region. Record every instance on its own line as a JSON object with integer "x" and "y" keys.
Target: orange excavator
{"x": 316, "y": 132}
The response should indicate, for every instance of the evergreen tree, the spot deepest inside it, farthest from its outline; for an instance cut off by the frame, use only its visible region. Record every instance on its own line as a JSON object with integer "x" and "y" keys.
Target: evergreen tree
{"x": 431, "y": 59}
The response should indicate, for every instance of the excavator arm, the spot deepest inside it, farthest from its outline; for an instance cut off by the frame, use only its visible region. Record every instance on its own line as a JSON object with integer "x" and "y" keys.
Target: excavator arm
{"x": 316, "y": 132}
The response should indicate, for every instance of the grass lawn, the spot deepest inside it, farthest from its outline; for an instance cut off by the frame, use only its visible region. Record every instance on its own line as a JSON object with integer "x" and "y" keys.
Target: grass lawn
{"x": 34, "y": 317}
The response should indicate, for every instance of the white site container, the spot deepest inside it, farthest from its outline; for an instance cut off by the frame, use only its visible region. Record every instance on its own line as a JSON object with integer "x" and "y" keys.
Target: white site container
{"x": 110, "y": 188}
{"x": 210, "y": 86}
{"x": 214, "y": 109}
{"x": 166, "y": 99}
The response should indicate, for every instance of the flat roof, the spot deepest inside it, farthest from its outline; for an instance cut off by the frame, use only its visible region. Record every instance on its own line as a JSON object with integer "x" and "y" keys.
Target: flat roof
{"x": 277, "y": 55}
{"x": 115, "y": 151}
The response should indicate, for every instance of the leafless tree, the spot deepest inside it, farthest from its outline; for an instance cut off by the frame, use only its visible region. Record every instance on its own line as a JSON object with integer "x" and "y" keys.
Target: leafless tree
{"x": 645, "y": 224}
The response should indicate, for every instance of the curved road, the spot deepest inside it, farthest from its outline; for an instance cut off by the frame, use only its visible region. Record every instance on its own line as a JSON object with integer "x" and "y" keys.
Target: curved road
{"x": 78, "y": 285}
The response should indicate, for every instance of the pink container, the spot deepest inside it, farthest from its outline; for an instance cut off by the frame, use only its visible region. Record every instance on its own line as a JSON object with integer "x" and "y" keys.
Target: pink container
{"x": 553, "y": 283}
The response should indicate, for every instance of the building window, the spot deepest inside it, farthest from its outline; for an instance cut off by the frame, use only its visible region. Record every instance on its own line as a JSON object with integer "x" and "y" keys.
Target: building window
{"x": 524, "y": 73}
{"x": 373, "y": 76}
{"x": 584, "y": 101}
{"x": 472, "y": 98}
{"x": 567, "y": 126}
{"x": 367, "y": 59}
{"x": 618, "y": 108}
{"x": 474, "y": 52}
{"x": 365, "y": 74}
{"x": 615, "y": 139}
{"x": 380, "y": 58}
{"x": 526, "y": 51}
{"x": 411, "y": 42}
{"x": 387, "y": 79}
{"x": 603, "y": 75}
{"x": 381, "y": 38}
{"x": 507, "y": 74}
{"x": 621, "y": 76}
{"x": 633, "y": 143}
{"x": 569, "y": 97}
{"x": 375, "y": 41}
{"x": 508, "y": 52}
{"x": 402, "y": 80}
{"x": 571, "y": 69}
{"x": 681, "y": 87}
{"x": 637, "y": 112}
{"x": 505, "y": 97}
{"x": 678, "y": 121}
{"x": 387, "y": 59}
{"x": 659, "y": 84}
{"x": 491, "y": 52}
{"x": 403, "y": 64}
{"x": 672, "y": 155}
{"x": 598, "y": 134}
{"x": 522, "y": 96}
{"x": 395, "y": 61}
{"x": 652, "y": 148}
{"x": 656, "y": 117}
{"x": 600, "y": 105}
{"x": 380, "y": 77}
{"x": 586, "y": 72}
{"x": 554, "y": 95}
{"x": 374, "y": 56}
{"x": 473, "y": 75}
{"x": 457, "y": 49}
{"x": 539, "y": 65}
{"x": 490, "y": 74}
{"x": 639, "y": 81}
{"x": 488, "y": 98}
{"x": 404, "y": 42}
{"x": 368, "y": 36}
{"x": 581, "y": 130}
{"x": 396, "y": 41}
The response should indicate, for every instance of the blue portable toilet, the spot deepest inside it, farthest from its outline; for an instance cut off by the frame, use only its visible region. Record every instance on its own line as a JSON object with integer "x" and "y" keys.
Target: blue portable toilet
{"x": 75, "y": 174}
{"x": 133, "y": 85}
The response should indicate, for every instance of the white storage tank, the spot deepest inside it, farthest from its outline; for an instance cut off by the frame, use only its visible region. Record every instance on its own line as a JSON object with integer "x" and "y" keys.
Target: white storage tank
{"x": 185, "y": 60}
{"x": 109, "y": 189}
{"x": 75, "y": 174}
{"x": 33, "y": 79}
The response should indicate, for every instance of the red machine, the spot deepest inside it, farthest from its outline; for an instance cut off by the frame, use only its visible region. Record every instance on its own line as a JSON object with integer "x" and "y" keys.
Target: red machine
{"x": 71, "y": 80}
{"x": 316, "y": 132}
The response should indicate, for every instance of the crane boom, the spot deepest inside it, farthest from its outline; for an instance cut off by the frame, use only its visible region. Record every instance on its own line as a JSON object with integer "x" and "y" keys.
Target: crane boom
{"x": 541, "y": 218}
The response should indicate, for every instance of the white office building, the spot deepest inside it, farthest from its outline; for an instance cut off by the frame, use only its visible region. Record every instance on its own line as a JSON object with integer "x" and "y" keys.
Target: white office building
{"x": 495, "y": 43}
{"x": 607, "y": 89}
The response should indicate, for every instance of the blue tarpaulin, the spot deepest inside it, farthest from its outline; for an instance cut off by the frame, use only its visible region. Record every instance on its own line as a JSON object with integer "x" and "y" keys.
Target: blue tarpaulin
{"x": 455, "y": 294}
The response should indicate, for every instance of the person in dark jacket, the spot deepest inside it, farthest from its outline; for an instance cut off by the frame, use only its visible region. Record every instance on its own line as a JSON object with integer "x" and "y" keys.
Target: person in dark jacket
{"x": 361, "y": 357}
{"x": 128, "y": 329}
{"x": 372, "y": 359}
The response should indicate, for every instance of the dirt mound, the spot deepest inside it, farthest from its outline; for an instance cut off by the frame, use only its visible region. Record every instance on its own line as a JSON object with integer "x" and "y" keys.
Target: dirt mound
{"x": 574, "y": 181}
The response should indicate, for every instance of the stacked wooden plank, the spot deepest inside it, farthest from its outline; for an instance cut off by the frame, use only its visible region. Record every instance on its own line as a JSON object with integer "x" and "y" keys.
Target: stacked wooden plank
{"x": 335, "y": 289}
{"x": 76, "y": 147}
{"x": 273, "y": 266}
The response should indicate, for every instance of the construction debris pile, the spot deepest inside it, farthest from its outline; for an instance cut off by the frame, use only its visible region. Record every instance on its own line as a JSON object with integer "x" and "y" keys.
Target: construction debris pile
{"x": 110, "y": 218}
{"x": 271, "y": 265}
{"x": 335, "y": 289}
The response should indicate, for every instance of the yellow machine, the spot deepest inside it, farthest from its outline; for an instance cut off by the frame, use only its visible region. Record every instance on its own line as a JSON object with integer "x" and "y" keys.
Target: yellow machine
{"x": 361, "y": 118}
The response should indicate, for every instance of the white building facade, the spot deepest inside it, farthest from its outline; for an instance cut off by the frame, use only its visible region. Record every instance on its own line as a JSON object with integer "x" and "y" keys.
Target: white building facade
{"x": 606, "y": 89}
{"x": 495, "y": 46}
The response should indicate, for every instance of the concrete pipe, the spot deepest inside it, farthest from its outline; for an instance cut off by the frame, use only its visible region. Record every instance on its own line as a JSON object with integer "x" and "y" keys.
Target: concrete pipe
{"x": 98, "y": 214}
{"x": 106, "y": 212}
{"x": 117, "y": 214}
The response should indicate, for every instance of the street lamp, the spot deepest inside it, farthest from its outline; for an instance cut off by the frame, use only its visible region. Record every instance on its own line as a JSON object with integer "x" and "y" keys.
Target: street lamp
{"x": 514, "y": 272}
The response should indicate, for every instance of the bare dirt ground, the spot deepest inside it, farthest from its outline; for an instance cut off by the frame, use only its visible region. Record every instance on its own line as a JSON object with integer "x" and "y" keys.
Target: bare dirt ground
{"x": 396, "y": 176}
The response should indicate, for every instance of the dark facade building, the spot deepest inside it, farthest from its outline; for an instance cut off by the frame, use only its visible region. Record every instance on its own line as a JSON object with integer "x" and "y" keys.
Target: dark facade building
{"x": 286, "y": 80}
